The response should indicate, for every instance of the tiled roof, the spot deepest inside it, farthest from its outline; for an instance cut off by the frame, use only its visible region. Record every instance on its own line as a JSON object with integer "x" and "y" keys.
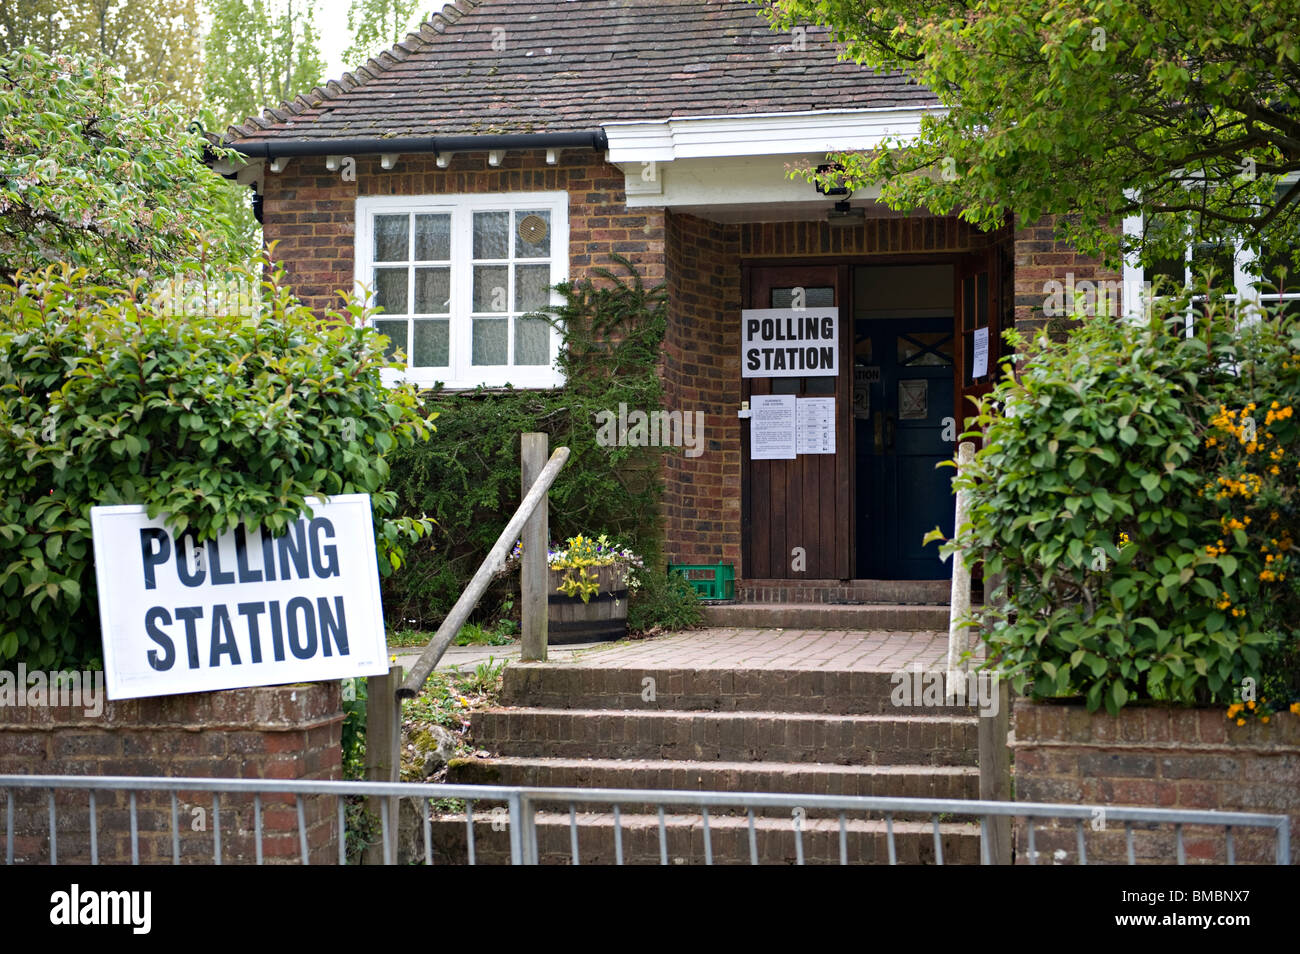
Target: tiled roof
{"x": 571, "y": 65}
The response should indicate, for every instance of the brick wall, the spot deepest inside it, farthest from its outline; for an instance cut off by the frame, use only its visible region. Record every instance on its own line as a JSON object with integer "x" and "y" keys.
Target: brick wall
{"x": 310, "y": 211}
{"x": 1156, "y": 758}
{"x": 702, "y": 371}
{"x": 1040, "y": 257}
{"x": 283, "y": 732}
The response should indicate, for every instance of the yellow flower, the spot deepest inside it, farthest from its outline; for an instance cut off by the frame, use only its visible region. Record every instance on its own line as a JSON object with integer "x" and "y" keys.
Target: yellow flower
{"x": 1241, "y": 722}
{"x": 1233, "y": 710}
{"x": 1263, "y": 718}
{"x": 1251, "y": 705}
{"x": 1295, "y": 708}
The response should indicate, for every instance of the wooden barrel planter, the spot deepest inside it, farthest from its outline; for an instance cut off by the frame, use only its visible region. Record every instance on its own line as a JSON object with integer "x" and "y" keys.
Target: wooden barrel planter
{"x": 604, "y": 616}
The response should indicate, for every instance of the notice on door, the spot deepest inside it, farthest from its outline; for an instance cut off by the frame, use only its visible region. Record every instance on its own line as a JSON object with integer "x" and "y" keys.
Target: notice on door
{"x": 913, "y": 399}
{"x": 246, "y": 609}
{"x": 789, "y": 342}
{"x": 772, "y": 427}
{"x": 816, "y": 425}
{"x": 980, "y": 354}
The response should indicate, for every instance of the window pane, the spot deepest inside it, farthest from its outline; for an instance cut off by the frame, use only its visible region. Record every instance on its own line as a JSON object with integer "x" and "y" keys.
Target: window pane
{"x": 391, "y": 237}
{"x": 1274, "y": 260}
{"x": 1206, "y": 257}
{"x": 823, "y": 297}
{"x": 433, "y": 237}
{"x": 1167, "y": 273}
{"x": 532, "y": 341}
{"x": 533, "y": 234}
{"x": 490, "y": 288}
{"x": 432, "y": 291}
{"x": 431, "y": 343}
{"x": 489, "y": 341}
{"x": 532, "y": 287}
{"x": 491, "y": 234}
{"x": 396, "y": 332}
{"x": 390, "y": 290}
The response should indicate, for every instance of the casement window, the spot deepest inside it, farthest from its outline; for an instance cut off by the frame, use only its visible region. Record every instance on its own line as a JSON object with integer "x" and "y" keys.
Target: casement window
{"x": 456, "y": 278}
{"x": 1234, "y": 266}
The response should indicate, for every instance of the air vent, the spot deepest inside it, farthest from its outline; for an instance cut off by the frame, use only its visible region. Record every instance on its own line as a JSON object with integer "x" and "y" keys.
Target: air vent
{"x": 533, "y": 229}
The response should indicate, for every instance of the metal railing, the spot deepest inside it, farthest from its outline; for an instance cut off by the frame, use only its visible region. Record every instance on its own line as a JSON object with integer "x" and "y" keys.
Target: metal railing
{"x": 522, "y": 807}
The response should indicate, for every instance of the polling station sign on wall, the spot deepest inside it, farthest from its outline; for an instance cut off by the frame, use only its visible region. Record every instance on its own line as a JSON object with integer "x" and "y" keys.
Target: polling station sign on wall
{"x": 789, "y": 342}
{"x": 244, "y": 610}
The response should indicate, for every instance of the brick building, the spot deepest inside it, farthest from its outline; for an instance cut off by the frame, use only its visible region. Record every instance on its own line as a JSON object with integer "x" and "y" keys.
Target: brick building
{"x": 511, "y": 144}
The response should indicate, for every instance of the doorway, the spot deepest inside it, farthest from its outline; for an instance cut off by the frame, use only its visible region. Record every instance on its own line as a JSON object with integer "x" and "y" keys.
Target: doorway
{"x": 910, "y": 340}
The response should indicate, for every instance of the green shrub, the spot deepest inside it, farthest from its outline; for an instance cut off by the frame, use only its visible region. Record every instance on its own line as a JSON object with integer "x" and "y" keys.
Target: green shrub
{"x": 468, "y": 480}
{"x": 107, "y": 398}
{"x": 1145, "y": 532}
{"x": 662, "y": 601}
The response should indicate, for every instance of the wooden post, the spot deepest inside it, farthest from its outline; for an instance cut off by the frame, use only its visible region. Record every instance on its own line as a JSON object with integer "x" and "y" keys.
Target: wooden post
{"x": 995, "y": 771}
{"x": 490, "y": 567}
{"x": 383, "y": 754}
{"x": 534, "y": 571}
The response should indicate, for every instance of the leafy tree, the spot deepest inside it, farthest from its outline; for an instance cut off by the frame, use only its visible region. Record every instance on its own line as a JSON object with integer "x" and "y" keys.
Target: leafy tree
{"x": 1186, "y": 110}
{"x": 377, "y": 23}
{"x": 94, "y": 175}
{"x": 258, "y": 53}
{"x": 148, "y": 41}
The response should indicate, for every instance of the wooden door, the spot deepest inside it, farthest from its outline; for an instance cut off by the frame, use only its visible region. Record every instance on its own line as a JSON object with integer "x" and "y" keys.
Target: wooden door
{"x": 798, "y": 514}
{"x": 977, "y": 316}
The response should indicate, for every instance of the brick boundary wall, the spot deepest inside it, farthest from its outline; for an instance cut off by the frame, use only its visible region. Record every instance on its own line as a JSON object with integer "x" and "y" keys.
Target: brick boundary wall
{"x": 280, "y": 732}
{"x": 1154, "y": 758}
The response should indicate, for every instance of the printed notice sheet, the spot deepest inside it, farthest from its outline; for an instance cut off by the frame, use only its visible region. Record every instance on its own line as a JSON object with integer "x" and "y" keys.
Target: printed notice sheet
{"x": 816, "y": 425}
{"x": 980, "y": 354}
{"x": 772, "y": 427}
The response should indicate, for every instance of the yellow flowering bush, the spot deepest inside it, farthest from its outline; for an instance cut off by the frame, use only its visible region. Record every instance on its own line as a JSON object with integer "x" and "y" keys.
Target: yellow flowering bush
{"x": 1137, "y": 492}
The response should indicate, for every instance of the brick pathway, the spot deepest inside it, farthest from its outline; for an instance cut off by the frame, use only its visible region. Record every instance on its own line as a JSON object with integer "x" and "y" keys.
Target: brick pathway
{"x": 732, "y": 648}
{"x": 839, "y": 650}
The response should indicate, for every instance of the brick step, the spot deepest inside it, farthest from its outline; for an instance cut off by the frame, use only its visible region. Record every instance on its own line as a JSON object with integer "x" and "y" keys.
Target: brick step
{"x": 775, "y": 839}
{"x": 912, "y": 592}
{"x": 834, "y": 692}
{"x": 892, "y": 781}
{"x": 880, "y": 618}
{"x": 720, "y": 736}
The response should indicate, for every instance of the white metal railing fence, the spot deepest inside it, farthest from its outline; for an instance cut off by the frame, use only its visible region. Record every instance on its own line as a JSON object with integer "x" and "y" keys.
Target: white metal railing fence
{"x": 522, "y": 806}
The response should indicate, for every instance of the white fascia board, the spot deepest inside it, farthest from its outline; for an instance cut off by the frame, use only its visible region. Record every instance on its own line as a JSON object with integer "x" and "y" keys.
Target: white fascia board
{"x": 761, "y": 134}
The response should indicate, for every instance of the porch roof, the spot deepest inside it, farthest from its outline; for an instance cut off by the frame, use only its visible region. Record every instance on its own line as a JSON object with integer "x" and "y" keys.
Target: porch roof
{"x": 525, "y": 66}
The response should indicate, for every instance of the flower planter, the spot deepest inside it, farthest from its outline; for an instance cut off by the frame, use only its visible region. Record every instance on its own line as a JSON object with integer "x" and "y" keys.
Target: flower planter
{"x": 604, "y": 616}
{"x": 1154, "y": 757}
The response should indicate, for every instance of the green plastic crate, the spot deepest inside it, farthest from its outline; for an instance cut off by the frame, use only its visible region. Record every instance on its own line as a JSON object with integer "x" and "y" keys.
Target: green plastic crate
{"x": 711, "y": 581}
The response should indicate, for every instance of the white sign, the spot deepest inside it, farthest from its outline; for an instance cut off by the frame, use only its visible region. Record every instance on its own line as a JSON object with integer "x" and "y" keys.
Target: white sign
{"x": 772, "y": 427}
{"x": 980, "y": 354}
{"x": 816, "y": 425}
{"x": 243, "y": 610}
{"x": 789, "y": 342}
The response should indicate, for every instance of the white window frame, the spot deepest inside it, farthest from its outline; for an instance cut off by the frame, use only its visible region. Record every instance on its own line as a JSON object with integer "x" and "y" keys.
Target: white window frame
{"x": 1137, "y": 305}
{"x": 460, "y": 374}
